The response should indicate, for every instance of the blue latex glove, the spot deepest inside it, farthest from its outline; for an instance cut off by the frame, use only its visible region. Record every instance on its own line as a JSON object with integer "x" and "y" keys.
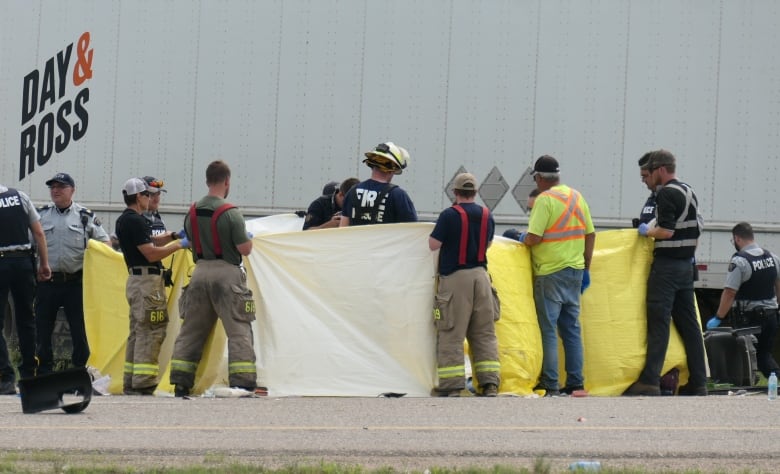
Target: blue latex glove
{"x": 185, "y": 242}
{"x": 642, "y": 229}
{"x": 713, "y": 322}
{"x": 521, "y": 237}
{"x": 181, "y": 234}
{"x": 585, "y": 281}
{"x": 250, "y": 235}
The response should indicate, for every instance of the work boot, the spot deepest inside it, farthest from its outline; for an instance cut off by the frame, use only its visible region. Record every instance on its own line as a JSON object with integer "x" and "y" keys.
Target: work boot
{"x": 548, "y": 392}
{"x": 8, "y": 388}
{"x": 687, "y": 390}
{"x": 574, "y": 391}
{"x": 490, "y": 390}
{"x": 146, "y": 391}
{"x": 181, "y": 391}
{"x": 641, "y": 389}
{"x": 437, "y": 392}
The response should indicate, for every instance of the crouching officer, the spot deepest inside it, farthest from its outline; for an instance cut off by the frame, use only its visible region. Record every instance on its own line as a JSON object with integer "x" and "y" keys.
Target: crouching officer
{"x": 750, "y": 294}
{"x": 217, "y": 288}
{"x": 68, "y": 226}
{"x": 145, "y": 290}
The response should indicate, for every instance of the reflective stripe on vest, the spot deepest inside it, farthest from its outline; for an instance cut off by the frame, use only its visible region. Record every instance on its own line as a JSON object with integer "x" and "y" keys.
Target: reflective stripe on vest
{"x": 464, "y": 234}
{"x": 560, "y": 230}
{"x": 682, "y": 221}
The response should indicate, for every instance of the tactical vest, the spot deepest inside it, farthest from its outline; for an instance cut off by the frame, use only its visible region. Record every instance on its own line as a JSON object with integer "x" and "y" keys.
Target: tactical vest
{"x": 687, "y": 228}
{"x": 761, "y": 284}
{"x": 374, "y": 214}
{"x": 16, "y": 222}
{"x": 648, "y": 210}
{"x": 158, "y": 226}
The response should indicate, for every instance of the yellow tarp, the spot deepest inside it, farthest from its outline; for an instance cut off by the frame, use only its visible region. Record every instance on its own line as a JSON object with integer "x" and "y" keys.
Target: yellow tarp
{"x": 348, "y": 312}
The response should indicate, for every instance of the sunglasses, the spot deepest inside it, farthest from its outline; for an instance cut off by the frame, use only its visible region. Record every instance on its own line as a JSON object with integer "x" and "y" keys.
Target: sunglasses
{"x": 157, "y": 183}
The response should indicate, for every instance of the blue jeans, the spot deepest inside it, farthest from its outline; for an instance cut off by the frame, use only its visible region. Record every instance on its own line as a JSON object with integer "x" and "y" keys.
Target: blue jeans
{"x": 557, "y": 298}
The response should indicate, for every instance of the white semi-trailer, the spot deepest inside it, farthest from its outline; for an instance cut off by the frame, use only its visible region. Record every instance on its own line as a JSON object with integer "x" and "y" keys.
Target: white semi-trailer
{"x": 291, "y": 92}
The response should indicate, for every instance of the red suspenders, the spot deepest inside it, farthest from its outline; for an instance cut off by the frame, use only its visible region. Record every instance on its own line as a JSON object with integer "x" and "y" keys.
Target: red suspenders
{"x": 464, "y": 234}
{"x": 214, "y": 234}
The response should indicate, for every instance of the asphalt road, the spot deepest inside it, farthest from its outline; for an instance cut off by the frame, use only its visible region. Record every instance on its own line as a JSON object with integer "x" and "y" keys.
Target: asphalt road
{"x": 725, "y": 433}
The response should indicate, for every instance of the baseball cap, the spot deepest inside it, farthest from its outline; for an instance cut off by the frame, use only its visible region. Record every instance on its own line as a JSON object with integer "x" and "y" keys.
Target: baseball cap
{"x": 134, "y": 186}
{"x": 154, "y": 185}
{"x": 330, "y": 188}
{"x": 63, "y": 178}
{"x": 465, "y": 182}
{"x": 546, "y": 164}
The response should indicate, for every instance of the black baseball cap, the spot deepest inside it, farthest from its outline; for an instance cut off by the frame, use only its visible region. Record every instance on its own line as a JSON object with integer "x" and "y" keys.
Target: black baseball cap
{"x": 63, "y": 178}
{"x": 546, "y": 164}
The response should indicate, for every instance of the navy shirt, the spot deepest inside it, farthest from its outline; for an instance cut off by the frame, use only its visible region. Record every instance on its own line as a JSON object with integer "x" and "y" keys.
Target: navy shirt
{"x": 447, "y": 231}
{"x": 370, "y": 202}
{"x": 321, "y": 211}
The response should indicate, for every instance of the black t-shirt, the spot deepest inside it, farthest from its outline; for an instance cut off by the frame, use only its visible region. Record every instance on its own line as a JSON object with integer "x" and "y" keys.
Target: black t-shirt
{"x": 320, "y": 211}
{"x": 132, "y": 230}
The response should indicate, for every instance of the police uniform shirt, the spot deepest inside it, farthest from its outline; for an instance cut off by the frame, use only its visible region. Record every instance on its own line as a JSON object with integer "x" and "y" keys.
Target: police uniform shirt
{"x": 66, "y": 232}
{"x": 366, "y": 196}
{"x": 133, "y": 230}
{"x": 6, "y": 203}
{"x": 320, "y": 211}
{"x": 448, "y": 231}
{"x": 740, "y": 271}
{"x": 158, "y": 226}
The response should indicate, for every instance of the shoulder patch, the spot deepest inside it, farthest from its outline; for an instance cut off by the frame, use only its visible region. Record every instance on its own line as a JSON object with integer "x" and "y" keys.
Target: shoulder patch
{"x": 86, "y": 211}
{"x": 43, "y": 208}
{"x": 732, "y": 266}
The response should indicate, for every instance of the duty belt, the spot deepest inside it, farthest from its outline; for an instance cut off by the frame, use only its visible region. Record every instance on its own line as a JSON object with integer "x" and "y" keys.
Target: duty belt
{"x": 753, "y": 317}
{"x": 144, "y": 270}
{"x": 15, "y": 253}
{"x": 62, "y": 277}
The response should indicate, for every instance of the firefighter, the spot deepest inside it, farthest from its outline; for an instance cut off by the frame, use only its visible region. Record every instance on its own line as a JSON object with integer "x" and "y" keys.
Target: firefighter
{"x": 217, "y": 288}
{"x": 465, "y": 306}
{"x": 376, "y": 200}
{"x": 144, "y": 289}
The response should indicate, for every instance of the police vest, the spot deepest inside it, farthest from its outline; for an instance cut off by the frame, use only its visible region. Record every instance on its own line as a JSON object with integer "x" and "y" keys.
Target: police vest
{"x": 761, "y": 284}
{"x": 648, "y": 210}
{"x": 158, "y": 226}
{"x": 16, "y": 222}
{"x": 687, "y": 228}
{"x": 369, "y": 214}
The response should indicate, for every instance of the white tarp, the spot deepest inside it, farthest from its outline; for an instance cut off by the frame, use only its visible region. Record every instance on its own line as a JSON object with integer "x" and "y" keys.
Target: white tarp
{"x": 345, "y": 312}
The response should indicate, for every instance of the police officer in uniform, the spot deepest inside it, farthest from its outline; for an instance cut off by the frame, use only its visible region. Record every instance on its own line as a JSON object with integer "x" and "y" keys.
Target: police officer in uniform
{"x": 325, "y": 211}
{"x": 217, "y": 288}
{"x": 152, "y": 214}
{"x": 17, "y": 275}
{"x": 670, "y": 283}
{"x": 145, "y": 289}
{"x": 750, "y": 294}
{"x": 465, "y": 306}
{"x": 377, "y": 200}
{"x": 67, "y": 225}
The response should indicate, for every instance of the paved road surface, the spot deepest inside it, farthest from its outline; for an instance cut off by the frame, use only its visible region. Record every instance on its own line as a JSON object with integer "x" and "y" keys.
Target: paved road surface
{"x": 706, "y": 433}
